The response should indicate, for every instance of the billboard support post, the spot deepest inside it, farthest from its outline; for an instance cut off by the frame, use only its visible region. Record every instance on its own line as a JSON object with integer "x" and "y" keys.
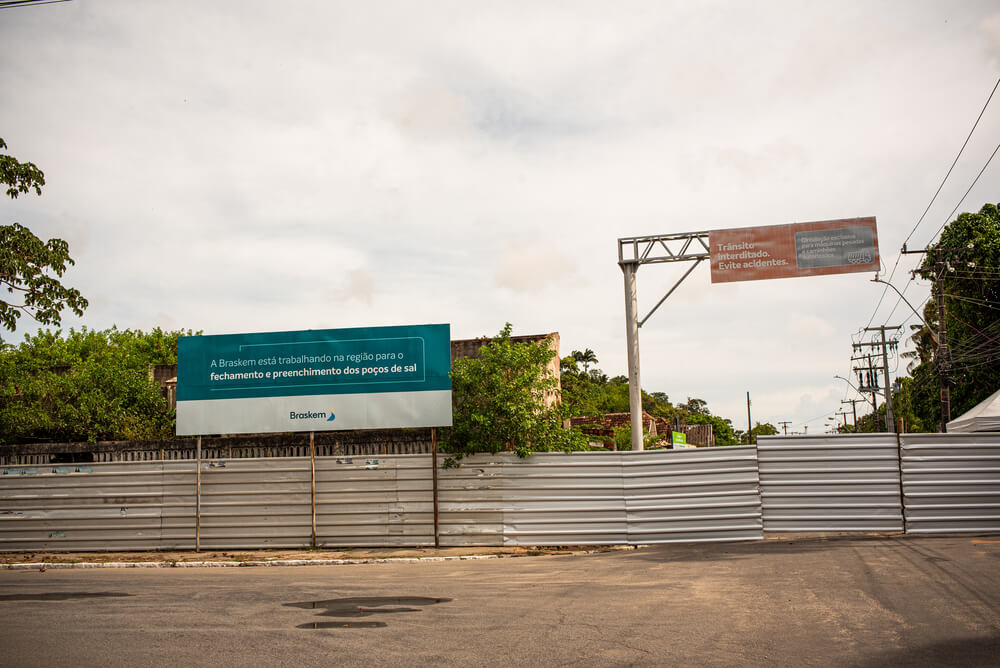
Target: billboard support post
{"x": 434, "y": 484}
{"x": 633, "y": 252}
{"x": 197, "y": 498}
{"x": 312, "y": 478}
{"x": 632, "y": 344}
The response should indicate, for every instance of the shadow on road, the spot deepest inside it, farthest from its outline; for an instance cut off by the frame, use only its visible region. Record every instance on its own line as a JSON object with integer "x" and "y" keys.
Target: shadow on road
{"x": 981, "y": 651}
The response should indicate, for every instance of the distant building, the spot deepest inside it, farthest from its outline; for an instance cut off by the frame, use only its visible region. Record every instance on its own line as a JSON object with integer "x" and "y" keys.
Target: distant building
{"x": 469, "y": 349}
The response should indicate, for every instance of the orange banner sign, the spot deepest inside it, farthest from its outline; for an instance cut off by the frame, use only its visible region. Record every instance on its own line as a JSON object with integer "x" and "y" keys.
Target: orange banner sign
{"x": 799, "y": 249}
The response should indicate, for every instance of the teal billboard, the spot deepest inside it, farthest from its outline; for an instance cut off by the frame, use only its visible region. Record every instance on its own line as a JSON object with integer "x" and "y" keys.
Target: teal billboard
{"x": 314, "y": 380}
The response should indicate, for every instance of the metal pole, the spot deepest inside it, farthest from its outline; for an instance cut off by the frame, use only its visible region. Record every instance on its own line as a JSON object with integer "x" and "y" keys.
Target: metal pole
{"x": 434, "y": 483}
{"x": 312, "y": 477}
{"x": 943, "y": 359}
{"x": 749, "y": 423}
{"x": 632, "y": 342}
{"x": 197, "y": 499}
{"x": 890, "y": 421}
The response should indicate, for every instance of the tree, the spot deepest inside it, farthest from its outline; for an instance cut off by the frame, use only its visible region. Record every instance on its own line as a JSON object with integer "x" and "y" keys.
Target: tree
{"x": 27, "y": 263}
{"x": 85, "y": 386}
{"x": 586, "y": 358}
{"x": 722, "y": 428}
{"x": 965, "y": 266}
{"x": 499, "y": 401}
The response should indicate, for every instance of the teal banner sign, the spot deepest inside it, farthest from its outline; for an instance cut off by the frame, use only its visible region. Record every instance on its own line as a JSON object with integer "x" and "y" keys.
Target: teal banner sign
{"x": 359, "y": 378}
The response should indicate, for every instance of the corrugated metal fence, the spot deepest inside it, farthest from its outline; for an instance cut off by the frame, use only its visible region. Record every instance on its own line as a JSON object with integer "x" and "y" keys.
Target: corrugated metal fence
{"x": 844, "y": 483}
{"x": 557, "y": 499}
{"x": 73, "y": 507}
{"x": 951, "y": 485}
{"x": 847, "y": 482}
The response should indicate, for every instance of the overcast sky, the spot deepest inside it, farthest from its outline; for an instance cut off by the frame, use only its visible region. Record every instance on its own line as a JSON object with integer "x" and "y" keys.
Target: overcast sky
{"x": 257, "y": 166}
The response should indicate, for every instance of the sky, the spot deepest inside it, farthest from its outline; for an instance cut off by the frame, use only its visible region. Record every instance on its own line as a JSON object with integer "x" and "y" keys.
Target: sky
{"x": 249, "y": 166}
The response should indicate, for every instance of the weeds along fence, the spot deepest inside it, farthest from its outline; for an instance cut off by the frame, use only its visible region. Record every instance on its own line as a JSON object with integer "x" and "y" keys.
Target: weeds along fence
{"x": 876, "y": 482}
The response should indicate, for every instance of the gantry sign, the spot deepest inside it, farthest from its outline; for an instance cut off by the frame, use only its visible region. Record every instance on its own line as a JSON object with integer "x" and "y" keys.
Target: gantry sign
{"x": 742, "y": 254}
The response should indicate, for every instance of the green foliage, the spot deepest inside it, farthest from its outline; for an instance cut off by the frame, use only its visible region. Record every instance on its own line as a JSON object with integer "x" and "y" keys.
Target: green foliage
{"x": 765, "y": 429}
{"x": 587, "y": 393}
{"x": 591, "y": 392}
{"x": 85, "y": 386}
{"x": 623, "y": 439}
{"x": 499, "y": 402}
{"x": 722, "y": 428}
{"x": 19, "y": 177}
{"x": 29, "y": 267}
{"x": 967, "y": 259}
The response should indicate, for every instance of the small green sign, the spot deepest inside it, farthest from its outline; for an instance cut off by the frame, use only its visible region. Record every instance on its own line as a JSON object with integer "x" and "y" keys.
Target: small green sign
{"x": 679, "y": 438}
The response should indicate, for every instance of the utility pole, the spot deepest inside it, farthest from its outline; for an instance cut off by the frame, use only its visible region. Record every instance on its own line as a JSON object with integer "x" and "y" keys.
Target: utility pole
{"x": 843, "y": 414}
{"x": 943, "y": 355}
{"x": 872, "y": 385}
{"x": 749, "y": 423}
{"x": 854, "y": 409}
{"x": 784, "y": 426}
{"x": 890, "y": 420}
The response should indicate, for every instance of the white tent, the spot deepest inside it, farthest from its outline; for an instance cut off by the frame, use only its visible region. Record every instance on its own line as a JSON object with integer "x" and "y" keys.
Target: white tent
{"x": 984, "y": 417}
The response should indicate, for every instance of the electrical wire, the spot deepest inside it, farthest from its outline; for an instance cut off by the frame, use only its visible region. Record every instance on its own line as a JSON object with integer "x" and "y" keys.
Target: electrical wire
{"x": 933, "y": 199}
{"x": 978, "y": 302}
{"x": 13, "y": 4}
{"x": 974, "y": 182}
{"x": 954, "y": 162}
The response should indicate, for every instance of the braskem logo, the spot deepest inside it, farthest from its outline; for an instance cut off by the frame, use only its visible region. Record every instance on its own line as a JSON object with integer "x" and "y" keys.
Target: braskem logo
{"x": 308, "y": 415}
{"x": 312, "y": 415}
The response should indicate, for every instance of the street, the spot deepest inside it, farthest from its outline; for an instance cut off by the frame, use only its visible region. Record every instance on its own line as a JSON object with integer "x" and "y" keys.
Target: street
{"x": 841, "y": 601}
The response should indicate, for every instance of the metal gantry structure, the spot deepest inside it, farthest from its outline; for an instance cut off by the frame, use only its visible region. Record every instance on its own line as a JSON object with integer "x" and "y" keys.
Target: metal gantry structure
{"x": 634, "y": 252}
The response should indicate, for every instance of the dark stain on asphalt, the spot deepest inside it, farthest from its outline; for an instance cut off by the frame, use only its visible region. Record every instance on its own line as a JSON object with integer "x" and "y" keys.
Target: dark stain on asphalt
{"x": 342, "y": 625}
{"x": 62, "y": 596}
{"x": 362, "y": 606}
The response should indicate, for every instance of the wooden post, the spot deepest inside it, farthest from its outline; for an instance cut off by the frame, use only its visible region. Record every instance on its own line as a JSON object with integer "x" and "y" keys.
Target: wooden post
{"x": 434, "y": 478}
{"x": 197, "y": 499}
{"x": 312, "y": 476}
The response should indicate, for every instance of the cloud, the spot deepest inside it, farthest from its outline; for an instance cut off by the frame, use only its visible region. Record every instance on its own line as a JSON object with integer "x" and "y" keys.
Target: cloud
{"x": 359, "y": 284}
{"x": 990, "y": 27}
{"x": 528, "y": 267}
{"x": 242, "y": 167}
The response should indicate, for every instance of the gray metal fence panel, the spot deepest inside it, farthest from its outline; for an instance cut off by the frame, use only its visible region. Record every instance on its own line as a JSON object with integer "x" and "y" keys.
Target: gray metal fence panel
{"x": 376, "y": 501}
{"x": 545, "y": 499}
{"x": 564, "y": 499}
{"x": 846, "y": 482}
{"x": 247, "y": 503}
{"x": 694, "y": 495}
{"x": 470, "y": 502}
{"x": 951, "y": 482}
{"x": 82, "y": 507}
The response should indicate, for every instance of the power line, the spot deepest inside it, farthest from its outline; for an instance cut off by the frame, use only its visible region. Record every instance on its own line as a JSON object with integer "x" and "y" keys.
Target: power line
{"x": 954, "y": 162}
{"x": 12, "y": 4}
{"x": 974, "y": 181}
{"x": 936, "y": 193}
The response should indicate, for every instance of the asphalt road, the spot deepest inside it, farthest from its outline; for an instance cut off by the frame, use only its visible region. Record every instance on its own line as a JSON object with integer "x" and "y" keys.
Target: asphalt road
{"x": 897, "y": 601}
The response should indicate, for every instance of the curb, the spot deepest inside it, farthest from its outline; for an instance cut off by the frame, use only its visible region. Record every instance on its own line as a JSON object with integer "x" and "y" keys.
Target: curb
{"x": 242, "y": 564}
